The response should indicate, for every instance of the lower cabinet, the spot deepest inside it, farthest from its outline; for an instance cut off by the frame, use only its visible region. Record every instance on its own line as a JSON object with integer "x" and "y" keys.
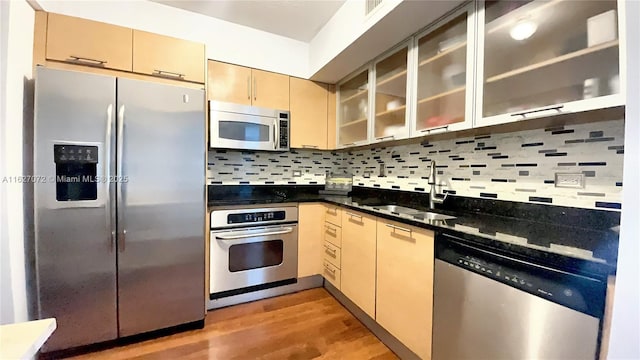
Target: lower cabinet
{"x": 358, "y": 260}
{"x": 404, "y": 287}
{"x": 310, "y": 238}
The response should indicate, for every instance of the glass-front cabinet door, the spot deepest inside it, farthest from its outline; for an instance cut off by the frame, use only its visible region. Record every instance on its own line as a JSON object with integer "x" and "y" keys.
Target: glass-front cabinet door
{"x": 353, "y": 110}
{"x": 547, "y": 57}
{"x": 391, "y": 94}
{"x": 444, "y": 81}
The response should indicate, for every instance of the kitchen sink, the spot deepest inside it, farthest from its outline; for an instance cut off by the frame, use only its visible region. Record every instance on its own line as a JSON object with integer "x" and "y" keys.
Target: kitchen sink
{"x": 397, "y": 209}
{"x": 425, "y": 215}
{"x": 418, "y": 214}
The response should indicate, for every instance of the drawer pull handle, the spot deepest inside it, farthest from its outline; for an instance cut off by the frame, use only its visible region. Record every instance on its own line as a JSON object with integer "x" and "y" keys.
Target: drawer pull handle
{"x": 327, "y": 268}
{"x": 354, "y": 215}
{"x": 170, "y": 74}
{"x": 399, "y": 228}
{"x": 332, "y": 229}
{"x": 89, "y": 60}
{"x": 310, "y": 146}
{"x": 333, "y": 211}
{"x": 333, "y": 251}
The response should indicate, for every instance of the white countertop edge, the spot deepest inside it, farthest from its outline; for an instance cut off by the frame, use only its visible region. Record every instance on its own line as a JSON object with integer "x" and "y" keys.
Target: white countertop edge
{"x": 23, "y": 340}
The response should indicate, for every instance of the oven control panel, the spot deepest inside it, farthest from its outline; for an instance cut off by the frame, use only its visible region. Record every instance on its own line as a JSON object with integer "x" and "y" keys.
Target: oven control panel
{"x": 257, "y": 216}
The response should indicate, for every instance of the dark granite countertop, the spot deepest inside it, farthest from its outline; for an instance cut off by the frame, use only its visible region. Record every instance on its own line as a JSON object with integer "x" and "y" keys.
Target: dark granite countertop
{"x": 580, "y": 240}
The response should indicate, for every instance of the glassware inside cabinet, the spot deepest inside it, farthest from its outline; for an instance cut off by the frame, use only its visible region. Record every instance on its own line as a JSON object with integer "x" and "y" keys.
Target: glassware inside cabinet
{"x": 538, "y": 54}
{"x": 353, "y": 109}
{"x": 391, "y": 96}
{"x": 442, "y": 73}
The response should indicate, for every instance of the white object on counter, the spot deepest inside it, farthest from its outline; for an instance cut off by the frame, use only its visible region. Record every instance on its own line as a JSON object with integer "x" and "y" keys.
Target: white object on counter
{"x": 23, "y": 340}
{"x": 601, "y": 28}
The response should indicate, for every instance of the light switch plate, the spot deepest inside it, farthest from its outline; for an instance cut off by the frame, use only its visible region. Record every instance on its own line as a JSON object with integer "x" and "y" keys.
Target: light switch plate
{"x": 569, "y": 180}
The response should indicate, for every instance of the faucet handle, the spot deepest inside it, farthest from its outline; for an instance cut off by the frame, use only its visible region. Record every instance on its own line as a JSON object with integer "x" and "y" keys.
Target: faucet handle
{"x": 440, "y": 200}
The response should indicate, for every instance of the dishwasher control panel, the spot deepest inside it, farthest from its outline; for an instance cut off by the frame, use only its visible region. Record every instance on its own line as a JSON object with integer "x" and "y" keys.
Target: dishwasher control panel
{"x": 577, "y": 292}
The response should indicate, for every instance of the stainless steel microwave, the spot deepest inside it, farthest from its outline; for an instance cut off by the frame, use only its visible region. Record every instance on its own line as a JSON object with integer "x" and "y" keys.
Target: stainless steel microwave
{"x": 235, "y": 126}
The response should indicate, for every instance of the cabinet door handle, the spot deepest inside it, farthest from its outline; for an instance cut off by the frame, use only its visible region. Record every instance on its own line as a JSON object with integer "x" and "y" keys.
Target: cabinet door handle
{"x": 354, "y": 215}
{"x": 435, "y": 129}
{"x": 169, "y": 74}
{"x": 334, "y": 211}
{"x": 349, "y": 144}
{"x": 398, "y": 228}
{"x": 248, "y": 87}
{"x": 94, "y": 62}
{"x": 255, "y": 89}
{"x": 524, "y": 114}
{"x": 386, "y": 137}
{"x": 310, "y": 146}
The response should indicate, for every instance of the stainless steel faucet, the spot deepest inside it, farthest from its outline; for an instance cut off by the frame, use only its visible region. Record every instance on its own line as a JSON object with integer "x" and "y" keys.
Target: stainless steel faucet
{"x": 433, "y": 196}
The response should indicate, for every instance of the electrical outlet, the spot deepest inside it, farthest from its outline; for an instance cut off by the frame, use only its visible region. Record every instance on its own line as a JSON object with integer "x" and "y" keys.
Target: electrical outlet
{"x": 570, "y": 180}
{"x": 297, "y": 173}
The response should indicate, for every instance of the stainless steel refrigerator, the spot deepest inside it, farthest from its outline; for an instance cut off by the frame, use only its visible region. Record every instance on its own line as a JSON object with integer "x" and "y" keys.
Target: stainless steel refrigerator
{"x": 119, "y": 206}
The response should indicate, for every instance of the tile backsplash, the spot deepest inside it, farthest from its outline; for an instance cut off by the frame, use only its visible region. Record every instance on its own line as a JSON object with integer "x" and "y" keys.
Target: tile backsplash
{"x": 518, "y": 166}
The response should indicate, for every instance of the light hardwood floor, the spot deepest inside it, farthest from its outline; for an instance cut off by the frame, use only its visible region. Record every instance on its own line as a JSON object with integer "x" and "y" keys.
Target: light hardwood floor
{"x": 306, "y": 325}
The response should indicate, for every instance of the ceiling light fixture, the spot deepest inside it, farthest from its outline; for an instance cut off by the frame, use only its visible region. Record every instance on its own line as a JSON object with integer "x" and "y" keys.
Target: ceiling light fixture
{"x": 523, "y": 30}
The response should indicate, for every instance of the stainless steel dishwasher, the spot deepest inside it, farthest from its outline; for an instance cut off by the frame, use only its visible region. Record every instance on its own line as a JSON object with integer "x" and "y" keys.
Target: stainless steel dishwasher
{"x": 489, "y": 305}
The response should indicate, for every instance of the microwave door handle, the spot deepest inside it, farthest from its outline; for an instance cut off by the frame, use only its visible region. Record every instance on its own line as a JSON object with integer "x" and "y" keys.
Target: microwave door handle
{"x": 244, "y": 236}
{"x": 276, "y": 135}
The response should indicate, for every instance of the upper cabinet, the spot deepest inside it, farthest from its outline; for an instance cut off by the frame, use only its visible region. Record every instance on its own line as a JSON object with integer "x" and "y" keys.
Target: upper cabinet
{"x": 353, "y": 110}
{"x": 444, "y": 81}
{"x": 168, "y": 57}
{"x": 391, "y": 94}
{"x": 543, "y": 58}
{"x": 270, "y": 90}
{"x": 243, "y": 85}
{"x": 86, "y": 42}
{"x": 228, "y": 82}
{"x": 309, "y": 110}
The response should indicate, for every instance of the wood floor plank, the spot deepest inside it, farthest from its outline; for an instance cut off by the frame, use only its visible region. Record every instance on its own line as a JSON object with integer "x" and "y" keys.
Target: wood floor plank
{"x": 306, "y": 325}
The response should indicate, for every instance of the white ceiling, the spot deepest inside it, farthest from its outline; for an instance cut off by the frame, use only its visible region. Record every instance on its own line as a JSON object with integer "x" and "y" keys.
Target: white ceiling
{"x": 295, "y": 19}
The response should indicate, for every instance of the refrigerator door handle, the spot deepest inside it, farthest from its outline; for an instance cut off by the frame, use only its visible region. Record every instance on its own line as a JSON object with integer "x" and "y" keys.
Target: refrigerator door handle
{"x": 119, "y": 161}
{"x": 107, "y": 178}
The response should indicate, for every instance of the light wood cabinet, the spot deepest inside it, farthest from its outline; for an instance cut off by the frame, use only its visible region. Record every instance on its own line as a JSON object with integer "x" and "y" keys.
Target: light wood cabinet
{"x": 164, "y": 56}
{"x": 332, "y": 274}
{"x": 308, "y": 113}
{"x": 270, "y": 90}
{"x": 229, "y": 82}
{"x": 87, "y": 42}
{"x": 242, "y": 85}
{"x": 332, "y": 254}
{"x": 331, "y": 118}
{"x": 358, "y": 262}
{"x": 404, "y": 286}
{"x": 333, "y": 234}
{"x": 333, "y": 214}
{"x": 310, "y": 239}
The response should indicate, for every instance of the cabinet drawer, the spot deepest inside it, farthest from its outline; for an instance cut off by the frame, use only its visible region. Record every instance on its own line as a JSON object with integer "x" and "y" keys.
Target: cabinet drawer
{"x": 168, "y": 57}
{"x": 87, "y": 42}
{"x": 331, "y": 274}
{"x": 332, "y": 254}
{"x": 333, "y": 234}
{"x": 333, "y": 214}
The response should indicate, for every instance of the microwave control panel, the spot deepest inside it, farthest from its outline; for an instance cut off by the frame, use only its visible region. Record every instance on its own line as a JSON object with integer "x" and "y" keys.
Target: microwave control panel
{"x": 283, "y": 122}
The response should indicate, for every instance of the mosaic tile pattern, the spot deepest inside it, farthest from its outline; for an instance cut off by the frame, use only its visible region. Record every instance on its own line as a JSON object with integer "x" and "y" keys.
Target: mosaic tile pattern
{"x": 517, "y": 166}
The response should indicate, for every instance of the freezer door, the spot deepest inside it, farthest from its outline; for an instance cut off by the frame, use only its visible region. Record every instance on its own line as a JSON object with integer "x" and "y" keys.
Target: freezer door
{"x": 75, "y": 256}
{"x": 161, "y": 206}
{"x": 475, "y": 317}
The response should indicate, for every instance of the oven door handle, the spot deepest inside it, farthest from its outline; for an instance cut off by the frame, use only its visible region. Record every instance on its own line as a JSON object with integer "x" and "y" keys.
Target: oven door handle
{"x": 250, "y": 235}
